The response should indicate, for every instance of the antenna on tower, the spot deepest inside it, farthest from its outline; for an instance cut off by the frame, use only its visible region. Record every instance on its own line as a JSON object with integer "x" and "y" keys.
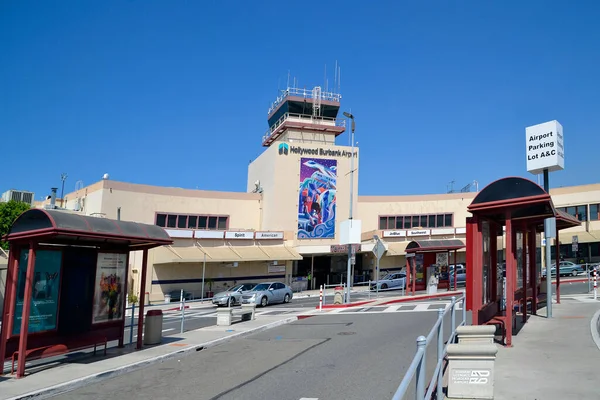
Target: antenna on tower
{"x": 339, "y": 79}
{"x": 325, "y": 78}
{"x": 288, "y": 81}
{"x": 335, "y": 77}
{"x": 451, "y": 183}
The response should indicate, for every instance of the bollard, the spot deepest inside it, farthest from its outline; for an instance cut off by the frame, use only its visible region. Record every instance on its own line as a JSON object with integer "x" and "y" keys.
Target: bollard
{"x": 420, "y": 381}
{"x": 476, "y": 334}
{"x": 596, "y": 283}
{"x": 182, "y": 313}
{"x": 464, "y": 309}
{"x": 440, "y": 354}
{"x": 181, "y": 300}
{"x": 131, "y": 324}
{"x": 369, "y": 289}
{"x": 471, "y": 370}
{"x": 321, "y": 298}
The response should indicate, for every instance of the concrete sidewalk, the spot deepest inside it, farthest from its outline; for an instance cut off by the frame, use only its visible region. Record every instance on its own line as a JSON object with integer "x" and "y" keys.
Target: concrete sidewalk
{"x": 54, "y": 378}
{"x": 552, "y": 359}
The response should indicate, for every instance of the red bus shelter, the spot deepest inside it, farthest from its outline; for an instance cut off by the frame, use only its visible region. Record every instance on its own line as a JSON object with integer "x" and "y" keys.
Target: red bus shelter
{"x": 517, "y": 206}
{"x": 67, "y": 280}
{"x": 421, "y": 255}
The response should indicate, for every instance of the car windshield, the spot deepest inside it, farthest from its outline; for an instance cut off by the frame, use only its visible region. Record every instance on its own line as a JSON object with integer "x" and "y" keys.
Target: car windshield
{"x": 261, "y": 286}
{"x": 388, "y": 276}
{"x": 236, "y": 288}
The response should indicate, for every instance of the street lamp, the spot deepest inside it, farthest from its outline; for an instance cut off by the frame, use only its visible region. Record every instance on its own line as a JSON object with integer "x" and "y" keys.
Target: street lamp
{"x": 349, "y": 271}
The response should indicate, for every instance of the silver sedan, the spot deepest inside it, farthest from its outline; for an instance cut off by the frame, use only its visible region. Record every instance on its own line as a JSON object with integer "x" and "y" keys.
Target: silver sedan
{"x": 232, "y": 296}
{"x": 268, "y": 293}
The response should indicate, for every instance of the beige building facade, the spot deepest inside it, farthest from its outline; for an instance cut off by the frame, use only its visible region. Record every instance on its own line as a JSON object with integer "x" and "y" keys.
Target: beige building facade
{"x": 287, "y": 225}
{"x": 234, "y": 237}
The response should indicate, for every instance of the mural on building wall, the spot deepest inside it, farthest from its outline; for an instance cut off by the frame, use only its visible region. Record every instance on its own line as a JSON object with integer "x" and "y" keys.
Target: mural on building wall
{"x": 316, "y": 205}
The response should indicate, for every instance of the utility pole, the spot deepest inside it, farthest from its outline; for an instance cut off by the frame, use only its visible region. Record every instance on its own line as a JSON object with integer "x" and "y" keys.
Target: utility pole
{"x": 350, "y": 245}
{"x": 63, "y": 178}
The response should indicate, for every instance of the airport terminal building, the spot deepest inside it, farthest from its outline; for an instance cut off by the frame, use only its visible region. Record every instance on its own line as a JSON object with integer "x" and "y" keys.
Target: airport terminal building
{"x": 286, "y": 225}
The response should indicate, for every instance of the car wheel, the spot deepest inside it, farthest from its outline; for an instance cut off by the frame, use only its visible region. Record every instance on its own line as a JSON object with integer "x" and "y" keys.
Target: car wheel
{"x": 384, "y": 286}
{"x": 286, "y": 299}
{"x": 263, "y": 302}
{"x": 574, "y": 273}
{"x": 231, "y": 302}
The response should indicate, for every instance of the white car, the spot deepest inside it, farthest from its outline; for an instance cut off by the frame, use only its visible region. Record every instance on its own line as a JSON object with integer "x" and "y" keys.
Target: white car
{"x": 396, "y": 280}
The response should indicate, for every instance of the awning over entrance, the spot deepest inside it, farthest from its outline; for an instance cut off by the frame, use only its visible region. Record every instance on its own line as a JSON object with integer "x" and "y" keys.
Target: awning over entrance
{"x": 64, "y": 227}
{"x": 396, "y": 248}
{"x": 422, "y": 246}
{"x": 196, "y": 254}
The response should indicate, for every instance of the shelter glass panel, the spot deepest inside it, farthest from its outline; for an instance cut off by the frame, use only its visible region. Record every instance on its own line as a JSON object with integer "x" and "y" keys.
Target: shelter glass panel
{"x": 487, "y": 260}
{"x": 520, "y": 249}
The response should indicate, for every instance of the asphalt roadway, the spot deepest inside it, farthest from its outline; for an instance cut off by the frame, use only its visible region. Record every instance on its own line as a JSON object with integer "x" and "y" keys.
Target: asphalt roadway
{"x": 352, "y": 357}
{"x": 196, "y": 318}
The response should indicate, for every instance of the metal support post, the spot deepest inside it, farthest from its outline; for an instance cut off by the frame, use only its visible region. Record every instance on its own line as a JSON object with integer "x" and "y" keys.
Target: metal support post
{"x": 421, "y": 367}
{"x": 369, "y": 289}
{"x": 453, "y": 314}
{"x": 596, "y": 283}
{"x": 548, "y": 266}
{"x": 131, "y": 324}
{"x": 377, "y": 279}
{"x": 440, "y": 353}
{"x": 464, "y": 310}
{"x": 321, "y": 298}
{"x": 203, "y": 271}
{"x": 182, "y": 314}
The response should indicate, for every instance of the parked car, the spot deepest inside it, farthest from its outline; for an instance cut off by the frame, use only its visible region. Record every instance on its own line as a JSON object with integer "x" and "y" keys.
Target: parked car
{"x": 176, "y": 295}
{"x": 268, "y": 293}
{"x": 461, "y": 275}
{"x": 233, "y": 295}
{"x": 395, "y": 280}
{"x": 565, "y": 268}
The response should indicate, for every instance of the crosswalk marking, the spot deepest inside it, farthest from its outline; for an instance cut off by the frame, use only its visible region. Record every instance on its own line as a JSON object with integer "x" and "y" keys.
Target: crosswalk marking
{"x": 422, "y": 307}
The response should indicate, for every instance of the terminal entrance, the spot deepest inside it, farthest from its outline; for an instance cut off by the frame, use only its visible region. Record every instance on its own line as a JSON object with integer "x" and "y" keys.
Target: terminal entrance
{"x": 329, "y": 269}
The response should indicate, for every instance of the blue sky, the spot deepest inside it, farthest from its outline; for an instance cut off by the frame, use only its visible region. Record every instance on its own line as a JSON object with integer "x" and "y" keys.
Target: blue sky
{"x": 175, "y": 93}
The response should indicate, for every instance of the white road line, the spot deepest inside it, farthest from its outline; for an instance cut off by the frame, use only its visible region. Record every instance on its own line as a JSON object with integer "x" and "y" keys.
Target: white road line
{"x": 309, "y": 398}
{"x": 421, "y": 307}
{"x": 168, "y": 330}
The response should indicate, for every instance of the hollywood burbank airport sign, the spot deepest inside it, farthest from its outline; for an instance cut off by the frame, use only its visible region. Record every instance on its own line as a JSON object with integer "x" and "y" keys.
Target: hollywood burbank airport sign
{"x": 545, "y": 147}
{"x": 285, "y": 149}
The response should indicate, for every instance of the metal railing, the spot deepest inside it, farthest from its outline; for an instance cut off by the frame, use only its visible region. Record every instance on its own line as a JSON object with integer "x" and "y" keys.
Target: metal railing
{"x": 181, "y": 304}
{"x": 328, "y": 121}
{"x": 306, "y": 93}
{"x": 418, "y": 365}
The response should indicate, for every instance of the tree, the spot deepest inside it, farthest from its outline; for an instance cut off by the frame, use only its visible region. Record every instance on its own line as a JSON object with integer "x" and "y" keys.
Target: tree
{"x": 8, "y": 214}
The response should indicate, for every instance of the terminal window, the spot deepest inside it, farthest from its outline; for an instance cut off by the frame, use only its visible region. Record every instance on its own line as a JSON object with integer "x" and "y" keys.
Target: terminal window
{"x": 580, "y": 212}
{"x": 416, "y": 221}
{"x": 187, "y": 221}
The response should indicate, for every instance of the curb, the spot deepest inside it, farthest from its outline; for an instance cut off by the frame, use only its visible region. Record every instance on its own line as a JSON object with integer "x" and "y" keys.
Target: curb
{"x": 595, "y": 328}
{"x": 101, "y": 376}
{"x": 358, "y": 303}
{"x": 423, "y": 297}
{"x": 578, "y": 280}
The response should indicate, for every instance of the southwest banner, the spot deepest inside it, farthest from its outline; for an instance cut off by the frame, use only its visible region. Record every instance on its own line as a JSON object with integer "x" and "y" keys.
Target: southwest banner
{"x": 317, "y": 198}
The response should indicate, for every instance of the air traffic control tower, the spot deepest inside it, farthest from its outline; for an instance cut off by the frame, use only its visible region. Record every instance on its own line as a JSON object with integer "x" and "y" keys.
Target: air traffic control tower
{"x": 304, "y": 116}
{"x": 302, "y": 174}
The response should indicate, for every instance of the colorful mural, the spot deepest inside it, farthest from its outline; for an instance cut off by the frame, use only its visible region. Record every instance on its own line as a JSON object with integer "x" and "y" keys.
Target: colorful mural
{"x": 317, "y": 199}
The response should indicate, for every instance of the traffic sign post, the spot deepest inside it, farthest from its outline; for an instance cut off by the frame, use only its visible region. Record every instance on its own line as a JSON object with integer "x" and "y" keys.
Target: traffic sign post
{"x": 378, "y": 250}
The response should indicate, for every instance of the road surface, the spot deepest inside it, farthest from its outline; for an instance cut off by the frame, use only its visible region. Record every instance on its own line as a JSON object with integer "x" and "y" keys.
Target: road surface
{"x": 337, "y": 356}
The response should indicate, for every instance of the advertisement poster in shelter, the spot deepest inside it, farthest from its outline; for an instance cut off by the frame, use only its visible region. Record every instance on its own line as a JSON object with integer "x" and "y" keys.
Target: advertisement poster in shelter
{"x": 44, "y": 294}
{"x": 109, "y": 287}
{"x": 317, "y": 198}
